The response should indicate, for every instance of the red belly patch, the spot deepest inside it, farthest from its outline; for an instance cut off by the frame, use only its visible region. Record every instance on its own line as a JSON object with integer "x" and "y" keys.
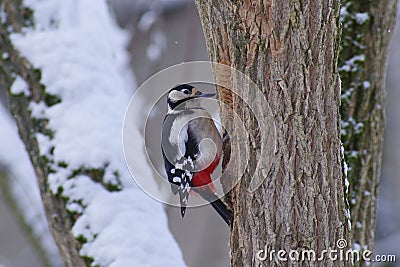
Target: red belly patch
{"x": 203, "y": 178}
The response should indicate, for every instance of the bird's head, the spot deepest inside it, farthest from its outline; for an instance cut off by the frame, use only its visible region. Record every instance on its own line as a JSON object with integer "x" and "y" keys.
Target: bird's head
{"x": 180, "y": 94}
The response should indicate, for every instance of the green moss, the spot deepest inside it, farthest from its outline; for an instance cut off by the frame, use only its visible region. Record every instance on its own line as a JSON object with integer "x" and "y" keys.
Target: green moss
{"x": 113, "y": 187}
{"x": 37, "y": 73}
{"x": 73, "y": 216}
{"x": 60, "y": 190}
{"x": 48, "y": 132}
{"x": 40, "y": 125}
{"x": 81, "y": 239}
{"x": 116, "y": 185}
{"x": 75, "y": 172}
{"x": 62, "y": 164}
{"x": 97, "y": 174}
{"x": 51, "y": 100}
{"x": 88, "y": 260}
{"x": 27, "y": 15}
{"x": 51, "y": 170}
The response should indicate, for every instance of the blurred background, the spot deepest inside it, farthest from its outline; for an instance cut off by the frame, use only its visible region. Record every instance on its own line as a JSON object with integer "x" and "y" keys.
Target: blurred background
{"x": 164, "y": 33}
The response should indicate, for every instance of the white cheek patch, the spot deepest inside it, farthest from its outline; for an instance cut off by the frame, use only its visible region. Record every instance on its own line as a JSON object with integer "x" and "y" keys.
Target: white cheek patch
{"x": 176, "y": 95}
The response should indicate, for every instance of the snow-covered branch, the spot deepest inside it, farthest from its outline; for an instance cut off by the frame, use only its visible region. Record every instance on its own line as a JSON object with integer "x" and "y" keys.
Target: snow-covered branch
{"x": 69, "y": 87}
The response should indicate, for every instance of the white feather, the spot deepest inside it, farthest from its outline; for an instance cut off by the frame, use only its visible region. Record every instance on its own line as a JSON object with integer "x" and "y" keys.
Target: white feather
{"x": 176, "y": 95}
{"x": 179, "y": 135}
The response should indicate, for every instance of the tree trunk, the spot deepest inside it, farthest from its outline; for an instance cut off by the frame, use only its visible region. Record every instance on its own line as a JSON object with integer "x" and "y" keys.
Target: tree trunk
{"x": 367, "y": 30}
{"x": 289, "y": 49}
{"x": 13, "y": 64}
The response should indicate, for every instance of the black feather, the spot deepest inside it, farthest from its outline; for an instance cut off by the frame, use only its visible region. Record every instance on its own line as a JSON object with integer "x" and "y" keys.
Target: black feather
{"x": 217, "y": 204}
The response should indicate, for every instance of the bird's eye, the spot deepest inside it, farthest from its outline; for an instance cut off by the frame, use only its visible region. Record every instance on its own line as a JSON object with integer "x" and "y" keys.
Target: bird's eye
{"x": 186, "y": 91}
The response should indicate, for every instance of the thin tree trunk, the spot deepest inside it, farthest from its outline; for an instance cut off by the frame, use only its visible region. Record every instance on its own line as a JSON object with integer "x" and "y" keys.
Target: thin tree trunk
{"x": 367, "y": 28}
{"x": 60, "y": 221}
{"x": 289, "y": 49}
{"x": 10, "y": 200}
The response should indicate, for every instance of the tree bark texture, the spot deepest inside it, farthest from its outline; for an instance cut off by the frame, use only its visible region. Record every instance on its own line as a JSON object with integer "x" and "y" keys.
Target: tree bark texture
{"x": 367, "y": 28}
{"x": 11, "y": 65}
{"x": 289, "y": 49}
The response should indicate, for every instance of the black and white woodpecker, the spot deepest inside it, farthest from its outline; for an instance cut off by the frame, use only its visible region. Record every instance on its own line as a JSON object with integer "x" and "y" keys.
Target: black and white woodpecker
{"x": 192, "y": 148}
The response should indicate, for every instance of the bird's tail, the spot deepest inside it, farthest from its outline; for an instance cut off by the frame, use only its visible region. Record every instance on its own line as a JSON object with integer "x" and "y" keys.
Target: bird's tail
{"x": 220, "y": 207}
{"x": 217, "y": 204}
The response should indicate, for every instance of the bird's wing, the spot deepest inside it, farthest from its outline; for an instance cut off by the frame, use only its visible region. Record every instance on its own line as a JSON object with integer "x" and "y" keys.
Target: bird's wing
{"x": 175, "y": 145}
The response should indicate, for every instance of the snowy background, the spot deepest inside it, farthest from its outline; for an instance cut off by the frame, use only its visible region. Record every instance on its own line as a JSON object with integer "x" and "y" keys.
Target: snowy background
{"x": 127, "y": 226}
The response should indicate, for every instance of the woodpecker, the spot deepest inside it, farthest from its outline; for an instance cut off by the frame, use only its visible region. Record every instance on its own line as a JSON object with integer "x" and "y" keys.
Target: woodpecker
{"x": 191, "y": 148}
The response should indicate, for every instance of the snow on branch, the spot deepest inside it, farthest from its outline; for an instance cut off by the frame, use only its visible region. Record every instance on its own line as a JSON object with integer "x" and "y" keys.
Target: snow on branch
{"x": 86, "y": 86}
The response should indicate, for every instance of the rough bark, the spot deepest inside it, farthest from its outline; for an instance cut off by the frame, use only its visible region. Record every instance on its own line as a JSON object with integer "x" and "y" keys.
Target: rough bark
{"x": 12, "y": 64}
{"x": 367, "y": 28}
{"x": 289, "y": 49}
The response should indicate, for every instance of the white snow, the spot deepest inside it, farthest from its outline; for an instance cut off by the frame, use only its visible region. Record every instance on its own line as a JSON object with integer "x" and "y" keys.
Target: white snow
{"x": 350, "y": 64}
{"x": 347, "y": 184}
{"x": 81, "y": 53}
{"x": 347, "y": 93}
{"x": 358, "y": 127}
{"x": 354, "y": 153}
{"x": 37, "y": 109}
{"x": 158, "y": 40}
{"x": 19, "y": 86}
{"x": 366, "y": 84}
{"x": 3, "y": 16}
{"x": 147, "y": 20}
{"x": 24, "y": 185}
{"x": 345, "y": 167}
{"x": 157, "y": 46}
{"x": 346, "y": 181}
{"x": 343, "y": 12}
{"x": 361, "y": 17}
{"x": 45, "y": 143}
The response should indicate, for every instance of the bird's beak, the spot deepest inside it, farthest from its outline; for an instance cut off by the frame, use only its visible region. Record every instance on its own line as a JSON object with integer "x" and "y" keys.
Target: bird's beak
{"x": 200, "y": 94}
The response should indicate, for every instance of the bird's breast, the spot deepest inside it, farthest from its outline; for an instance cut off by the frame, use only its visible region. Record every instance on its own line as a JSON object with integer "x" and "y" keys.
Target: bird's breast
{"x": 208, "y": 141}
{"x": 191, "y": 135}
